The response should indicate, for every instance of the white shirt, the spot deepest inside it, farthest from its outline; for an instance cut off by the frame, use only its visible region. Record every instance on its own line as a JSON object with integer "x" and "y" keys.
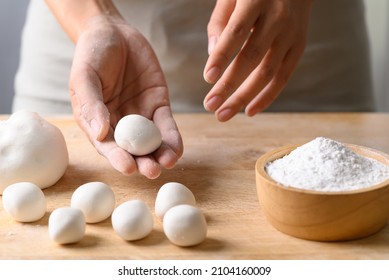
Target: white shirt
{"x": 333, "y": 75}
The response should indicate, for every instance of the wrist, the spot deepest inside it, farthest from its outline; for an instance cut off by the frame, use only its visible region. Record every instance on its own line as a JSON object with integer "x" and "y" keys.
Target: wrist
{"x": 75, "y": 16}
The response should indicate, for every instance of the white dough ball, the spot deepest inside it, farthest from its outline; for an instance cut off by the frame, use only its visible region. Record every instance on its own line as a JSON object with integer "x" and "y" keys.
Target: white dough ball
{"x": 137, "y": 135}
{"x": 24, "y": 201}
{"x": 31, "y": 150}
{"x": 95, "y": 199}
{"x": 132, "y": 220}
{"x": 185, "y": 225}
{"x": 172, "y": 194}
{"x": 66, "y": 225}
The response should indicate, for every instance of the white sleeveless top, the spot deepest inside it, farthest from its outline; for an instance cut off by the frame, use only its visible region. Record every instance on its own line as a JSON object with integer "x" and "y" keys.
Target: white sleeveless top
{"x": 333, "y": 75}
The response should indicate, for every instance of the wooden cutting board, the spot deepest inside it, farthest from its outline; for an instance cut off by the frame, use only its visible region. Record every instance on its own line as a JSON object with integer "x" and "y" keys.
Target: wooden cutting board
{"x": 218, "y": 166}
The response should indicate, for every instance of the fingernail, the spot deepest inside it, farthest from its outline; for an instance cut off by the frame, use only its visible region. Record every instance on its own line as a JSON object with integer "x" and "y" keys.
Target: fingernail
{"x": 211, "y": 44}
{"x": 212, "y": 75}
{"x": 251, "y": 112}
{"x": 213, "y": 103}
{"x": 225, "y": 114}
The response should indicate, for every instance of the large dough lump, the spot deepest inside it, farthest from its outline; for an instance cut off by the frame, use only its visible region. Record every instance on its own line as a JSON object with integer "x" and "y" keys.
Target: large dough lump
{"x": 31, "y": 150}
{"x": 137, "y": 135}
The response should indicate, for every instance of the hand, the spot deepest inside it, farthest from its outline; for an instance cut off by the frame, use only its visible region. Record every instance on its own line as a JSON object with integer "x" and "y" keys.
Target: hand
{"x": 115, "y": 73}
{"x": 254, "y": 47}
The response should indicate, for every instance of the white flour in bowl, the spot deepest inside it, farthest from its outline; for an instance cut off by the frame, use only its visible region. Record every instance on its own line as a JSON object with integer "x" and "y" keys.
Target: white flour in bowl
{"x": 327, "y": 165}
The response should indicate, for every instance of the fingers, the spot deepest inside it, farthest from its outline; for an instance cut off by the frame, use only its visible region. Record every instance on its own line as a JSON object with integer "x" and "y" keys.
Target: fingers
{"x": 172, "y": 147}
{"x": 170, "y": 150}
{"x": 123, "y": 161}
{"x": 167, "y": 154}
{"x": 218, "y": 21}
{"x": 89, "y": 109}
{"x": 148, "y": 167}
{"x": 234, "y": 100}
{"x": 255, "y": 65}
{"x": 273, "y": 89}
{"x": 231, "y": 39}
{"x": 120, "y": 159}
{"x": 255, "y": 55}
{"x": 100, "y": 84}
{"x": 93, "y": 117}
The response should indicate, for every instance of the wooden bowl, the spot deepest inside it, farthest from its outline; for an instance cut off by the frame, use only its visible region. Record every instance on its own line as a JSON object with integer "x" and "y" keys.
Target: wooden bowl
{"x": 323, "y": 216}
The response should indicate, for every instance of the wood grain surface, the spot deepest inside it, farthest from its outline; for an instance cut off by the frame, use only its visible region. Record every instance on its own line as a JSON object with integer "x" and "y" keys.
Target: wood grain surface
{"x": 218, "y": 166}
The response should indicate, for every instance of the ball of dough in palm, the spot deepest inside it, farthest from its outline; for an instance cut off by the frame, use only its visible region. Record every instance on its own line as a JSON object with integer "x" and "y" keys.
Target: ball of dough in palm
{"x": 137, "y": 135}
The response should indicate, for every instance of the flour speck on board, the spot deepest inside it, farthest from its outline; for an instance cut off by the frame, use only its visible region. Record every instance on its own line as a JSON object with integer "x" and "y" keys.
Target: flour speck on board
{"x": 327, "y": 165}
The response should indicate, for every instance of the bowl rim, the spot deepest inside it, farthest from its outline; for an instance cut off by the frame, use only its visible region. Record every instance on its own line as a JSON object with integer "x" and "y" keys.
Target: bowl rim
{"x": 284, "y": 150}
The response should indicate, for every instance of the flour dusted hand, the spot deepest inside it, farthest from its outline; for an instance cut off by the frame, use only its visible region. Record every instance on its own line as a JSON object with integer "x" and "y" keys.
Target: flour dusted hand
{"x": 327, "y": 165}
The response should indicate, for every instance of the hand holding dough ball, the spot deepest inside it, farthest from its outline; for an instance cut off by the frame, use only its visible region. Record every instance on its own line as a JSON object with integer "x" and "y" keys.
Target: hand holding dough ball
{"x": 66, "y": 225}
{"x": 31, "y": 150}
{"x": 95, "y": 199}
{"x": 185, "y": 225}
{"x": 132, "y": 220}
{"x": 25, "y": 202}
{"x": 137, "y": 135}
{"x": 172, "y": 194}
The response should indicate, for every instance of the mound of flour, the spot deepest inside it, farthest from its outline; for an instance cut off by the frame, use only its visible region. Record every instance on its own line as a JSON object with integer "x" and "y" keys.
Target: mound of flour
{"x": 327, "y": 165}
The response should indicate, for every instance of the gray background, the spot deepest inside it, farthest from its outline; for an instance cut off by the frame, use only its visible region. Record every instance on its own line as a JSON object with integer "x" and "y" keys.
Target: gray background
{"x": 12, "y": 14}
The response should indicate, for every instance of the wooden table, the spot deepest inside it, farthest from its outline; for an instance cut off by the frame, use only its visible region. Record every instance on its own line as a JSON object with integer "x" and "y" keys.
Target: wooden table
{"x": 218, "y": 166}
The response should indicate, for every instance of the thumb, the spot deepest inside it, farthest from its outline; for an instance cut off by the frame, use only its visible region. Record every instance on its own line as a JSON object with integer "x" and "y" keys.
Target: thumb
{"x": 89, "y": 109}
{"x": 218, "y": 21}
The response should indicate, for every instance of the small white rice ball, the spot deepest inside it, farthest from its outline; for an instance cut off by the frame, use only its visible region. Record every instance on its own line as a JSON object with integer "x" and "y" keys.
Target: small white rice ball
{"x": 132, "y": 220}
{"x": 95, "y": 199}
{"x": 172, "y": 194}
{"x": 24, "y": 201}
{"x": 137, "y": 135}
{"x": 185, "y": 225}
{"x": 66, "y": 225}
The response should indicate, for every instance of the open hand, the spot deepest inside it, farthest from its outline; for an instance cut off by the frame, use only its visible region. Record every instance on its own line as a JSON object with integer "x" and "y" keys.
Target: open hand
{"x": 115, "y": 73}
